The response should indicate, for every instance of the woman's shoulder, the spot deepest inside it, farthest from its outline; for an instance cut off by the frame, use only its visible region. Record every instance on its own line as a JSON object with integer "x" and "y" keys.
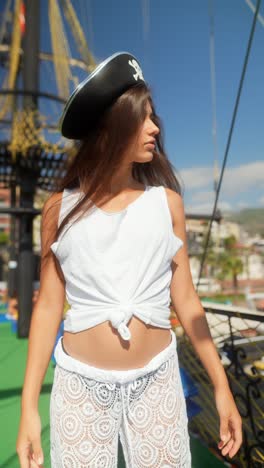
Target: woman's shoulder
{"x": 173, "y": 195}
{"x": 53, "y": 202}
{"x": 176, "y": 205}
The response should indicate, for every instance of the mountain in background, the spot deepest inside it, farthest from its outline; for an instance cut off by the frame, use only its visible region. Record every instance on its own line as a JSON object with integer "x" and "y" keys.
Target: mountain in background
{"x": 251, "y": 219}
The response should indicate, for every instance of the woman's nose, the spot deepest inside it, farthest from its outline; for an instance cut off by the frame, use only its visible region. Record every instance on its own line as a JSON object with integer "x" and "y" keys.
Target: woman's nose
{"x": 155, "y": 130}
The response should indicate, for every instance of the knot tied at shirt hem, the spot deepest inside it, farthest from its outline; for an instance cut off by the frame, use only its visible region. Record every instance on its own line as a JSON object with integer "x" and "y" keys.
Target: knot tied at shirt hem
{"x": 120, "y": 317}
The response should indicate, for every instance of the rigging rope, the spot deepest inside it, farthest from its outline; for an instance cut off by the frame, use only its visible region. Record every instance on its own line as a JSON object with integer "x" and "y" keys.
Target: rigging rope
{"x": 146, "y": 23}
{"x": 252, "y": 7}
{"x": 60, "y": 48}
{"x": 31, "y": 127}
{"x": 229, "y": 138}
{"x": 78, "y": 34}
{"x": 86, "y": 21}
{"x": 213, "y": 92}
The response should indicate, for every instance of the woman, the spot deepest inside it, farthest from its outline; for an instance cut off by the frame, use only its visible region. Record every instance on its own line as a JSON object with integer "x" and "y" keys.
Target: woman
{"x": 114, "y": 240}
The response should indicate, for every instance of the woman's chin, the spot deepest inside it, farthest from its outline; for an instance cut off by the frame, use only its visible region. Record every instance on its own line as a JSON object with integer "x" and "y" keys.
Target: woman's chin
{"x": 148, "y": 156}
{"x": 150, "y": 152}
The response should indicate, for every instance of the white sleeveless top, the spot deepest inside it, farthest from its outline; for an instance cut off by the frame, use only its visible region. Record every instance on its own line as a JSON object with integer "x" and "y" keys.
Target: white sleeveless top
{"x": 117, "y": 264}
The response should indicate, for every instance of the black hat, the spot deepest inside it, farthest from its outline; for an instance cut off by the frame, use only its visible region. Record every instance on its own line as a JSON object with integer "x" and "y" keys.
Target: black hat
{"x": 107, "y": 82}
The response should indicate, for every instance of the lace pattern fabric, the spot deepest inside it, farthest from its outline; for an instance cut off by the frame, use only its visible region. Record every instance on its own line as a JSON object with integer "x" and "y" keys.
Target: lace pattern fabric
{"x": 148, "y": 414}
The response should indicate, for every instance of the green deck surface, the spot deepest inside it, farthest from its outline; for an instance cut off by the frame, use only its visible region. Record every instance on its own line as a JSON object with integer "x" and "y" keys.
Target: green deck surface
{"x": 13, "y": 352}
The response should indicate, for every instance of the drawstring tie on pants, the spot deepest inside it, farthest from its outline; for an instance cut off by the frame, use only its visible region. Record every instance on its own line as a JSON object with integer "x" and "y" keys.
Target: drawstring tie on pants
{"x": 125, "y": 409}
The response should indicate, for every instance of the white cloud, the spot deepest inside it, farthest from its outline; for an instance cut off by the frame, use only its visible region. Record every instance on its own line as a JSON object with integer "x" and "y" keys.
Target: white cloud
{"x": 241, "y": 187}
{"x": 204, "y": 196}
{"x": 244, "y": 177}
{"x": 242, "y": 204}
{"x": 197, "y": 177}
{"x": 206, "y": 208}
{"x": 236, "y": 179}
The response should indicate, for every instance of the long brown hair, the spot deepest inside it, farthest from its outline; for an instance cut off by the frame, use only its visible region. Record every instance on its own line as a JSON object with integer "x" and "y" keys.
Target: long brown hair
{"x": 100, "y": 153}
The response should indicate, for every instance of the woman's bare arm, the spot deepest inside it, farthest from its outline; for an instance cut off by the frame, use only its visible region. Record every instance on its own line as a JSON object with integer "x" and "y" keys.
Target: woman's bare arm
{"x": 48, "y": 310}
{"x": 192, "y": 316}
{"x": 186, "y": 302}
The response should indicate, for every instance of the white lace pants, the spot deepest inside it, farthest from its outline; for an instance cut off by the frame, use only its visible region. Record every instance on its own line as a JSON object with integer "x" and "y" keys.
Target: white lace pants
{"x": 90, "y": 407}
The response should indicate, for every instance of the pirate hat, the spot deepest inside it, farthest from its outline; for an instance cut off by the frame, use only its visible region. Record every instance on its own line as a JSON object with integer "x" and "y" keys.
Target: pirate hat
{"x": 107, "y": 82}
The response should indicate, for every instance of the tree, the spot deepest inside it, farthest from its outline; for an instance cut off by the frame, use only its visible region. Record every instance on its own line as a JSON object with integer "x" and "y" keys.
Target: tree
{"x": 4, "y": 238}
{"x": 230, "y": 262}
{"x": 211, "y": 260}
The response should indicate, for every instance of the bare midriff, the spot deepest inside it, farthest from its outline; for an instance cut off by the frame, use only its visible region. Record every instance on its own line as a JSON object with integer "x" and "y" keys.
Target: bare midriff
{"x": 102, "y": 346}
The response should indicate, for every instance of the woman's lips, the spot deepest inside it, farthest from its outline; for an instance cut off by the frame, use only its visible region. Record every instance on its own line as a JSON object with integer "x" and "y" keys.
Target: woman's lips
{"x": 150, "y": 145}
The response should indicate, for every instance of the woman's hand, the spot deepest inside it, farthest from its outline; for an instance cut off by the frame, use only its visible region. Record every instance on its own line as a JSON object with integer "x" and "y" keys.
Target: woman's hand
{"x": 230, "y": 422}
{"x": 28, "y": 444}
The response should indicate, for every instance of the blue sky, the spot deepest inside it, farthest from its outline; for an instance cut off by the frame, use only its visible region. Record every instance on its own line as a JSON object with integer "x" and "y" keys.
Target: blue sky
{"x": 170, "y": 38}
{"x": 171, "y": 41}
